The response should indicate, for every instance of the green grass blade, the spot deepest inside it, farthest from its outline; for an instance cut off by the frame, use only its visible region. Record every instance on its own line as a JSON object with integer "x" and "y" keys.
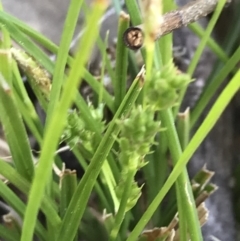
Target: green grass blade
{"x": 117, "y": 5}
{"x": 25, "y": 105}
{"x": 201, "y": 133}
{"x": 219, "y": 52}
{"x": 185, "y": 199}
{"x": 102, "y": 46}
{"x": 15, "y": 132}
{"x": 56, "y": 124}
{"x": 26, "y": 43}
{"x": 122, "y": 208}
{"x": 14, "y": 201}
{"x": 200, "y": 48}
{"x": 211, "y": 89}
{"x": 166, "y": 42}
{"x": 96, "y": 86}
{"x": 59, "y": 70}
{"x": 120, "y": 80}
{"x": 7, "y": 235}
{"x": 110, "y": 169}
{"x": 6, "y": 40}
{"x": 188, "y": 219}
{"x": 183, "y": 128}
{"x": 134, "y": 12}
{"x": 38, "y": 54}
{"x": 105, "y": 202}
{"x": 81, "y": 196}
{"x": 5, "y": 67}
{"x": 38, "y": 37}
{"x": 68, "y": 184}
{"x": 47, "y": 206}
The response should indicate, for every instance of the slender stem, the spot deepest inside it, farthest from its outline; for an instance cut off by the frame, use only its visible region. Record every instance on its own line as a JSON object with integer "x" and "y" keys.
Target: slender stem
{"x": 59, "y": 70}
{"x": 183, "y": 127}
{"x": 121, "y": 212}
{"x": 120, "y": 81}
{"x": 184, "y": 190}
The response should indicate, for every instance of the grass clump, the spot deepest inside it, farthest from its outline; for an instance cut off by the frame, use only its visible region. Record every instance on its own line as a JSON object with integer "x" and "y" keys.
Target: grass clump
{"x": 122, "y": 139}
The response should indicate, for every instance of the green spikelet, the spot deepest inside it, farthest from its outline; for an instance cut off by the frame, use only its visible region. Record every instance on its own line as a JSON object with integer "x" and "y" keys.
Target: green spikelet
{"x": 162, "y": 90}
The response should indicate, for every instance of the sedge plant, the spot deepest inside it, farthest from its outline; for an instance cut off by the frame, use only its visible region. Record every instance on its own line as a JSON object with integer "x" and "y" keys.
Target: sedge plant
{"x": 129, "y": 141}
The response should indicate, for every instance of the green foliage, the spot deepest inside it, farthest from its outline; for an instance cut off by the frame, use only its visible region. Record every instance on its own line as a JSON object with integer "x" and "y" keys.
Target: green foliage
{"x": 121, "y": 141}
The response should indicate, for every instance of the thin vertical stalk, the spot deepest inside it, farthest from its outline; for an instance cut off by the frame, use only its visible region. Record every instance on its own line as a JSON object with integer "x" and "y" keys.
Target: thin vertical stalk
{"x": 120, "y": 80}
{"x": 59, "y": 70}
{"x": 184, "y": 191}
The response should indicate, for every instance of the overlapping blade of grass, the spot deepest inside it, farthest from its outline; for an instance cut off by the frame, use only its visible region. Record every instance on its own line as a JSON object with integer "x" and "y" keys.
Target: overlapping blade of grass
{"x": 90, "y": 79}
{"x": 134, "y": 12}
{"x": 185, "y": 197}
{"x": 68, "y": 184}
{"x": 200, "y": 48}
{"x": 165, "y": 44}
{"x": 25, "y": 105}
{"x": 213, "y": 116}
{"x": 14, "y": 201}
{"x": 33, "y": 124}
{"x": 213, "y": 86}
{"x": 186, "y": 205}
{"x": 47, "y": 206}
{"x": 6, "y": 63}
{"x": 15, "y": 131}
{"x": 109, "y": 168}
{"x": 188, "y": 219}
{"x": 9, "y": 236}
{"x": 26, "y": 43}
{"x": 183, "y": 128}
{"x": 58, "y": 120}
{"x": 120, "y": 80}
{"x": 211, "y": 43}
{"x": 19, "y": 30}
{"x": 6, "y": 40}
{"x": 79, "y": 201}
{"x": 207, "y": 33}
{"x": 59, "y": 69}
{"x": 97, "y": 86}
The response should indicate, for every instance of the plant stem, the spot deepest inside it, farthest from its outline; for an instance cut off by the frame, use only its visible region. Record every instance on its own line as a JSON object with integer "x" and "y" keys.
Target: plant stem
{"x": 184, "y": 190}
{"x": 121, "y": 212}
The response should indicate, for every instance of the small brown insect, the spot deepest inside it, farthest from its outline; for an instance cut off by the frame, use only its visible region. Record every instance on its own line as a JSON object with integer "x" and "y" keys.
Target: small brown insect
{"x": 191, "y": 12}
